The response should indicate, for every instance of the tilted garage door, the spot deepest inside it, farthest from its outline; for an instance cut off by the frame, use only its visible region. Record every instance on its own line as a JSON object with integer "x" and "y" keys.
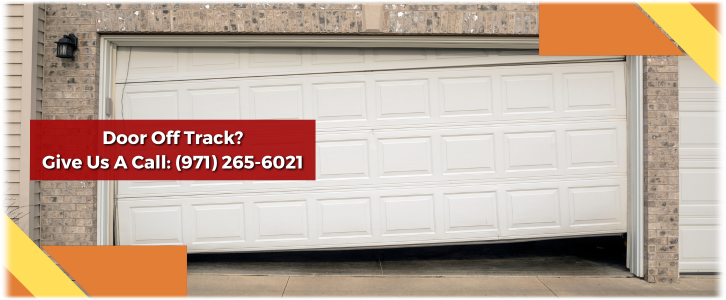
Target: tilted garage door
{"x": 414, "y": 146}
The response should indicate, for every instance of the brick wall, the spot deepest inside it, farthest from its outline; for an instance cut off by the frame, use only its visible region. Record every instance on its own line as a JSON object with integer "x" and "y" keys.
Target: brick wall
{"x": 490, "y": 19}
{"x": 660, "y": 99}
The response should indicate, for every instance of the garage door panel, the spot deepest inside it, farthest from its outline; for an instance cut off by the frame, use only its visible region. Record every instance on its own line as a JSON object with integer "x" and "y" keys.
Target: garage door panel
{"x": 530, "y": 151}
{"x": 344, "y": 218}
{"x": 156, "y": 225}
{"x": 280, "y": 221}
{"x": 217, "y": 223}
{"x": 528, "y": 93}
{"x": 533, "y": 209}
{"x": 460, "y": 53}
{"x": 589, "y": 91}
{"x": 441, "y": 96}
{"x": 472, "y": 153}
{"x": 203, "y": 59}
{"x": 343, "y": 160}
{"x": 699, "y": 247}
{"x": 334, "y": 102}
{"x": 401, "y": 157}
{"x": 470, "y": 212}
{"x": 592, "y": 148}
{"x": 392, "y": 216}
{"x": 439, "y": 156}
{"x": 699, "y": 186}
{"x": 408, "y": 215}
{"x": 210, "y": 104}
{"x": 274, "y": 57}
{"x": 467, "y": 96}
{"x": 451, "y": 154}
{"x": 698, "y": 103}
{"x": 155, "y": 64}
{"x": 144, "y": 61}
{"x": 600, "y": 205}
{"x": 283, "y": 102}
{"x": 402, "y": 99}
{"x": 337, "y": 56}
{"x": 160, "y": 105}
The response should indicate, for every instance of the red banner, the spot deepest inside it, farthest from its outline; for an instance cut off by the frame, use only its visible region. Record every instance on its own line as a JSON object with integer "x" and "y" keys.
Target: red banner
{"x": 172, "y": 150}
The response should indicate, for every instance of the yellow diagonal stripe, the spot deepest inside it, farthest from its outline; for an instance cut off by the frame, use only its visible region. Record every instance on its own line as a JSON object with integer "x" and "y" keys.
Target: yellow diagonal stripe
{"x": 691, "y": 31}
{"x": 33, "y": 268}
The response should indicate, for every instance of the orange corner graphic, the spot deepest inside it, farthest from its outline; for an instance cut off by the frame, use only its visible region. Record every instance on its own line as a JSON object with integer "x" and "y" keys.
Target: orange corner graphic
{"x": 125, "y": 270}
{"x": 600, "y": 29}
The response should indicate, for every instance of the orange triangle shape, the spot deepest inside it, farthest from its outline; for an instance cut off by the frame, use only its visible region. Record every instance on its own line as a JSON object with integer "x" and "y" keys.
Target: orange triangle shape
{"x": 125, "y": 270}
{"x": 15, "y": 287}
{"x": 708, "y": 11}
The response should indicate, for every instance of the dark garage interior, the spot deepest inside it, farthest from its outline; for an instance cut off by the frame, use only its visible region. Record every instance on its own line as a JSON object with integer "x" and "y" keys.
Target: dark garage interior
{"x": 584, "y": 256}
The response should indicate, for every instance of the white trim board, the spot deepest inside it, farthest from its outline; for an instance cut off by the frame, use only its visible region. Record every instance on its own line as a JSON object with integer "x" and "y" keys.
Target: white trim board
{"x": 345, "y": 41}
{"x": 636, "y": 206}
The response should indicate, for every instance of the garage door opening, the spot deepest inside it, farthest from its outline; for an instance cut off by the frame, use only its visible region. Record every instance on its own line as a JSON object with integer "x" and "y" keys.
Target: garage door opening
{"x": 414, "y": 146}
{"x": 602, "y": 256}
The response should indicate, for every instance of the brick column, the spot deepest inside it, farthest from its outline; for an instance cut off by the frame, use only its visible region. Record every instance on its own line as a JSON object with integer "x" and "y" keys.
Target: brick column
{"x": 661, "y": 167}
{"x": 68, "y": 208}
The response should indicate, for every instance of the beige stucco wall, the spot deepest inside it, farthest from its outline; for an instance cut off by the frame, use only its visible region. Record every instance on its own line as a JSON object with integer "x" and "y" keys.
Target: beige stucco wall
{"x": 24, "y": 38}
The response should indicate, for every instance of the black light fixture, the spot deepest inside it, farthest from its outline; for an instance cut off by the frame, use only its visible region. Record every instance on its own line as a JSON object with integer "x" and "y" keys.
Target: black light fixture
{"x": 66, "y": 46}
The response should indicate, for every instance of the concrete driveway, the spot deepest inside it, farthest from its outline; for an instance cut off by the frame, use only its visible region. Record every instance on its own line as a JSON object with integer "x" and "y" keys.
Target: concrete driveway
{"x": 439, "y": 286}
{"x": 593, "y": 266}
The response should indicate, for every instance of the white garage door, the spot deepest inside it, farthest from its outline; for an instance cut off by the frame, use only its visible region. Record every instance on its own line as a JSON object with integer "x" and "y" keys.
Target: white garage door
{"x": 414, "y": 146}
{"x": 699, "y": 202}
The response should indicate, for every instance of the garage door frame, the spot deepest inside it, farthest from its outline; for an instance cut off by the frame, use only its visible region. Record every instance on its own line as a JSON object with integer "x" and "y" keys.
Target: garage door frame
{"x": 634, "y": 98}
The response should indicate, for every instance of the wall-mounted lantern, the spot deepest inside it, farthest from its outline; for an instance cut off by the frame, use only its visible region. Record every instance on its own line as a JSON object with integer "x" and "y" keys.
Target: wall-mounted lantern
{"x": 66, "y": 46}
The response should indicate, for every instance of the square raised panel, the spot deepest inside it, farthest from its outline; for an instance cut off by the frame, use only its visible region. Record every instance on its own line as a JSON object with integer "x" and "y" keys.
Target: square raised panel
{"x": 218, "y": 222}
{"x": 156, "y": 225}
{"x": 402, "y": 99}
{"x": 275, "y": 57}
{"x": 408, "y": 215}
{"x": 340, "y": 101}
{"x": 470, "y": 212}
{"x": 344, "y": 218}
{"x": 699, "y": 243}
{"x": 145, "y": 184}
{"x": 468, "y": 153}
{"x": 337, "y": 56}
{"x": 215, "y": 104}
{"x": 699, "y": 129}
{"x": 699, "y": 185}
{"x": 277, "y": 102}
{"x": 592, "y": 148}
{"x": 344, "y": 159}
{"x": 405, "y": 157}
{"x": 460, "y": 53}
{"x": 398, "y": 54}
{"x": 151, "y": 60}
{"x": 151, "y": 106}
{"x": 525, "y": 94}
{"x": 594, "y": 205}
{"x": 466, "y": 96}
{"x": 213, "y": 58}
{"x": 532, "y": 151}
{"x": 533, "y": 209}
{"x": 589, "y": 91}
{"x": 281, "y": 220}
